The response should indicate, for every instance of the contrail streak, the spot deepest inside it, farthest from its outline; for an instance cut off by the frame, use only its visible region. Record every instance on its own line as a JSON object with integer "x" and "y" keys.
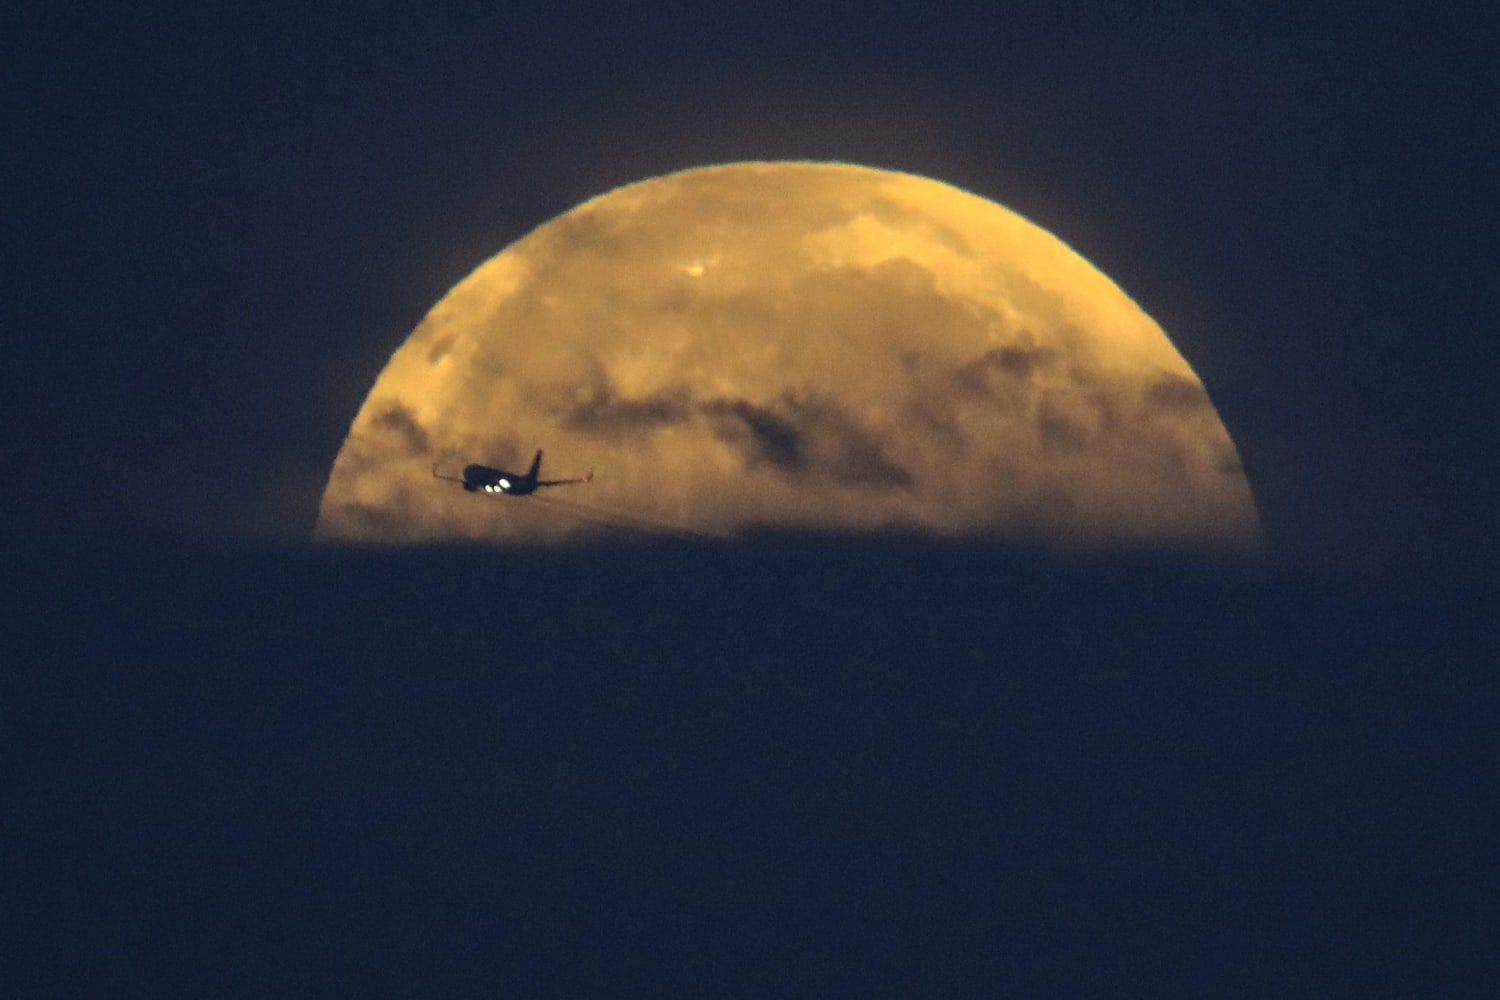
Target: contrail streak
{"x": 624, "y": 521}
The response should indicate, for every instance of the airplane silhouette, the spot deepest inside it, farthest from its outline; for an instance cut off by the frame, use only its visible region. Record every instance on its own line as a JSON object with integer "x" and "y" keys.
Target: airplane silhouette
{"x": 483, "y": 477}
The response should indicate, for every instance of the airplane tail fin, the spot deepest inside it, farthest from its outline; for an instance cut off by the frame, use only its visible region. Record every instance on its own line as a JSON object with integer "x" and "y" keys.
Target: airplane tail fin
{"x": 536, "y": 465}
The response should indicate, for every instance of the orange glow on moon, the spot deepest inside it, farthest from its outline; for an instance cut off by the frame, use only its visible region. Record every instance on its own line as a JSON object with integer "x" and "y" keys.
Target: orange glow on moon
{"x": 808, "y": 346}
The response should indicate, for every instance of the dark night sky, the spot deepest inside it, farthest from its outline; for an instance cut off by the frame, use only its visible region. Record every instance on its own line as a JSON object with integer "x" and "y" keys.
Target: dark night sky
{"x": 246, "y": 762}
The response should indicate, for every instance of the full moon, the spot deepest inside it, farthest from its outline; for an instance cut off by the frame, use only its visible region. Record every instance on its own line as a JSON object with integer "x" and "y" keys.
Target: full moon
{"x": 801, "y": 346}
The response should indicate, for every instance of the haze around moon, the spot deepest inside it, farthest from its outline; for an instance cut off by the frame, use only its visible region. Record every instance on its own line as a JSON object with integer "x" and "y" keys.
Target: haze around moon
{"x": 800, "y": 346}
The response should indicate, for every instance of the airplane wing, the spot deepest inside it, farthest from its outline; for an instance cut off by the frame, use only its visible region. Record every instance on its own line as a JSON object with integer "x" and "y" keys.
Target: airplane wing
{"x": 586, "y": 478}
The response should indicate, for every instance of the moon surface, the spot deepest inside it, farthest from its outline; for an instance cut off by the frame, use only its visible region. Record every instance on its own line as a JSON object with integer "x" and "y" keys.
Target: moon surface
{"x": 800, "y": 346}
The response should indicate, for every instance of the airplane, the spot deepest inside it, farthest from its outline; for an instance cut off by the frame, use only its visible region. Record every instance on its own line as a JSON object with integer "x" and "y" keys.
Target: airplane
{"x": 482, "y": 477}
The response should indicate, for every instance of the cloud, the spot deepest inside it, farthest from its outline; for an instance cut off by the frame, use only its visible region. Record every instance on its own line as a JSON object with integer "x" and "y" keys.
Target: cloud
{"x": 394, "y": 419}
{"x": 439, "y": 350}
{"x": 997, "y": 371}
{"x": 934, "y": 413}
{"x": 901, "y": 218}
{"x": 809, "y": 437}
{"x": 595, "y": 231}
{"x": 842, "y": 450}
{"x": 1174, "y": 394}
{"x": 603, "y": 412}
{"x": 765, "y": 436}
{"x": 391, "y": 521}
{"x": 1059, "y": 433}
{"x": 1229, "y": 465}
{"x": 1070, "y": 419}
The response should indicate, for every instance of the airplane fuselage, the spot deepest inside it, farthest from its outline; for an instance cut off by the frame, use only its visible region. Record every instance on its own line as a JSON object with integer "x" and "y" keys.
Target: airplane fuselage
{"x": 492, "y": 480}
{"x": 483, "y": 477}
